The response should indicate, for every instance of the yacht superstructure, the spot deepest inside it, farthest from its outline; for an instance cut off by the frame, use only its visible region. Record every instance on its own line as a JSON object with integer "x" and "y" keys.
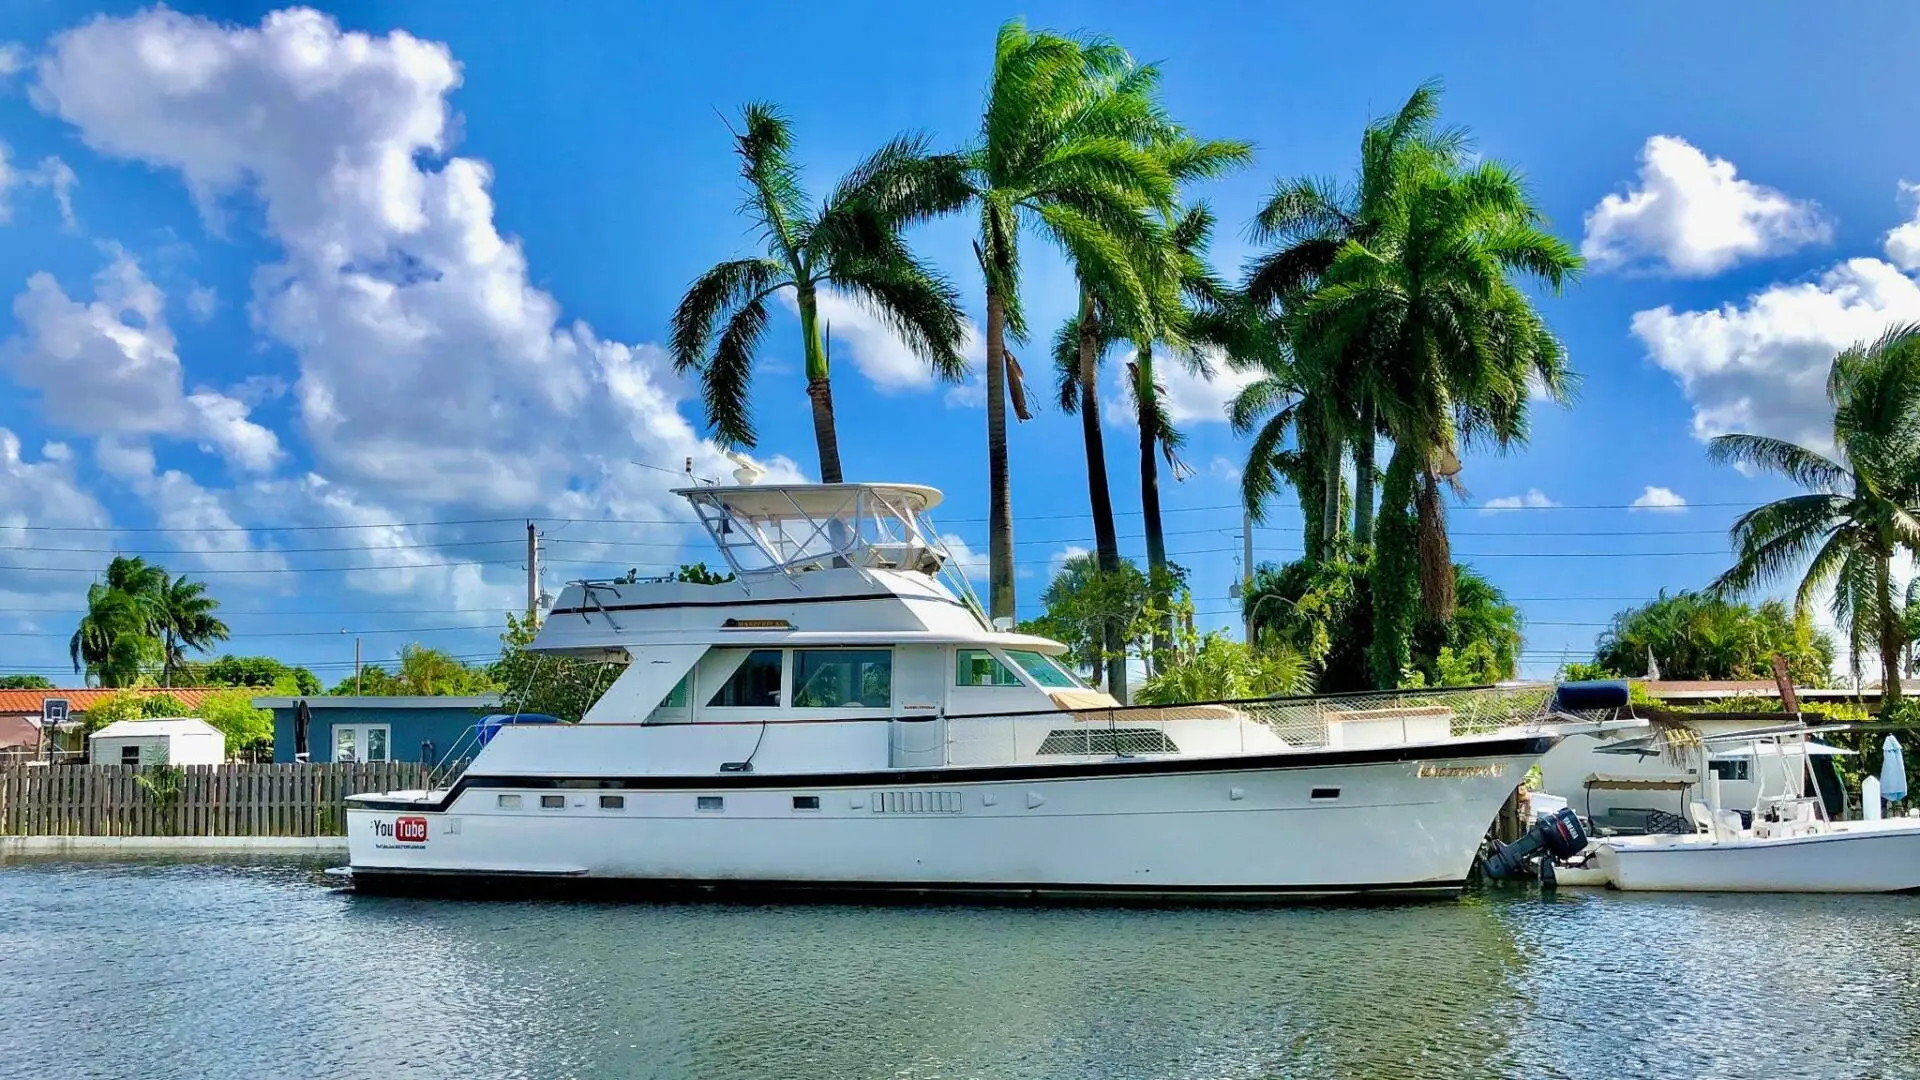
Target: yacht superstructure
{"x": 842, "y": 716}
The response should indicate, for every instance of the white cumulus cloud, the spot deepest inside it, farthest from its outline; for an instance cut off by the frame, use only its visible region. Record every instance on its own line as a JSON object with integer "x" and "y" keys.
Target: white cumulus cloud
{"x": 1659, "y": 498}
{"x": 1189, "y": 398}
{"x": 1534, "y": 499}
{"x": 109, "y": 367}
{"x": 1761, "y": 366}
{"x": 1693, "y": 215}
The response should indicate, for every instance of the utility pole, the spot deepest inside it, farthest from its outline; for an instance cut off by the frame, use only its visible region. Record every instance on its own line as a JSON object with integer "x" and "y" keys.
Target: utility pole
{"x": 533, "y": 574}
{"x": 1246, "y": 573}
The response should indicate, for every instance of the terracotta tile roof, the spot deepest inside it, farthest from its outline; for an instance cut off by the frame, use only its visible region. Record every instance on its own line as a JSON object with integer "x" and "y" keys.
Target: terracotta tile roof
{"x": 28, "y": 702}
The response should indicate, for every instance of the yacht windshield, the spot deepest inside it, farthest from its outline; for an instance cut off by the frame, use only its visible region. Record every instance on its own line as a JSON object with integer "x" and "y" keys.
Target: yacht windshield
{"x": 1043, "y": 670}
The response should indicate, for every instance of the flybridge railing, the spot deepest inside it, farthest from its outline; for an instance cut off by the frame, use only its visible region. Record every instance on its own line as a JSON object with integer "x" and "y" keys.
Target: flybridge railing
{"x": 1259, "y": 726}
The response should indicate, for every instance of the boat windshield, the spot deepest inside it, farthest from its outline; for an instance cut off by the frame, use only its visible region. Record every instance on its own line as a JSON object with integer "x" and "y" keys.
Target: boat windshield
{"x": 1043, "y": 669}
{"x": 787, "y": 528}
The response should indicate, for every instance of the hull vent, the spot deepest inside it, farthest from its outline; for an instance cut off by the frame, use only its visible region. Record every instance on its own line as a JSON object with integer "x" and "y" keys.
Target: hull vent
{"x": 915, "y": 802}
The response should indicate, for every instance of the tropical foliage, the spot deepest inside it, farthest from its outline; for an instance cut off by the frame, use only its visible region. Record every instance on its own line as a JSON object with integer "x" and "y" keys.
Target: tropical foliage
{"x": 1401, "y": 307}
{"x": 1859, "y": 513}
{"x": 1698, "y": 635}
{"x": 255, "y": 671}
{"x": 249, "y": 731}
{"x": 25, "y": 682}
{"x": 140, "y": 619}
{"x": 849, "y": 244}
{"x": 420, "y": 671}
{"x": 1214, "y": 667}
{"x": 541, "y": 683}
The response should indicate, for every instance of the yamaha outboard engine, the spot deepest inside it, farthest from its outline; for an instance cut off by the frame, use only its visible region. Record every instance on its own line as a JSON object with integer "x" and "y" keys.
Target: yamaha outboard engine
{"x": 1559, "y": 835}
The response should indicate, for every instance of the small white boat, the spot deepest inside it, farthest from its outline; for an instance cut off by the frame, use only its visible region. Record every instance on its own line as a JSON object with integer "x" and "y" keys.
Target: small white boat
{"x": 1791, "y": 845}
{"x": 841, "y": 717}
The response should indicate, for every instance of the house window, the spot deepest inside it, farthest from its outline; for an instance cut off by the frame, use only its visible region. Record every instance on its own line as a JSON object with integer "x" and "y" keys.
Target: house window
{"x": 754, "y": 684}
{"x": 1042, "y": 669}
{"x": 130, "y": 755}
{"x": 978, "y": 667}
{"x": 361, "y": 742}
{"x": 1730, "y": 768}
{"x": 842, "y": 679}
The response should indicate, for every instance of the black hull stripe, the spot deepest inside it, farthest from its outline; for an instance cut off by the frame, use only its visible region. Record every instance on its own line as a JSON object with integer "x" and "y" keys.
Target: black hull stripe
{"x": 1533, "y": 745}
{"x": 459, "y": 884}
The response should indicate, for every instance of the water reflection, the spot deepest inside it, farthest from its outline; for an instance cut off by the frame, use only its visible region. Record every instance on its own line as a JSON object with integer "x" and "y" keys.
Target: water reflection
{"x": 227, "y": 973}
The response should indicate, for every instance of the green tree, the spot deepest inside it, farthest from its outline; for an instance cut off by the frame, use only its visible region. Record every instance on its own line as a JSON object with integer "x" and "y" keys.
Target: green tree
{"x": 850, "y": 244}
{"x": 1054, "y": 155}
{"x": 1859, "y": 513}
{"x": 255, "y": 671}
{"x": 1098, "y": 615}
{"x": 25, "y": 682}
{"x": 545, "y": 683}
{"x": 186, "y": 620}
{"x": 698, "y": 574}
{"x": 1699, "y": 635}
{"x": 248, "y": 731}
{"x": 131, "y": 704}
{"x": 1431, "y": 304}
{"x": 1319, "y": 608}
{"x": 1214, "y": 667}
{"x": 420, "y": 672}
{"x": 118, "y": 638}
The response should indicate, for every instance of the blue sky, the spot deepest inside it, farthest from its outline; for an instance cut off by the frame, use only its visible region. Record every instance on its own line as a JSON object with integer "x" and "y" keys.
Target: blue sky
{"x": 308, "y": 281}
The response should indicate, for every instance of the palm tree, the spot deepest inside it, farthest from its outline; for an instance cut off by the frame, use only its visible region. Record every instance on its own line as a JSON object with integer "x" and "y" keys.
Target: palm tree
{"x": 117, "y": 637}
{"x": 186, "y": 621}
{"x": 1862, "y": 507}
{"x": 1309, "y": 222}
{"x": 1055, "y": 155}
{"x": 1453, "y": 350}
{"x": 850, "y": 244}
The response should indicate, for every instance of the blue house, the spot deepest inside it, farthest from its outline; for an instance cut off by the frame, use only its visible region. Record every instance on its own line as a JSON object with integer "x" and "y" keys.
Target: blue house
{"x": 377, "y": 728}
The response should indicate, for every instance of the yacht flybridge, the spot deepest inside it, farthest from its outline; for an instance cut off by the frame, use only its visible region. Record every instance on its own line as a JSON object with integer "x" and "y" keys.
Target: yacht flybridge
{"x": 842, "y": 717}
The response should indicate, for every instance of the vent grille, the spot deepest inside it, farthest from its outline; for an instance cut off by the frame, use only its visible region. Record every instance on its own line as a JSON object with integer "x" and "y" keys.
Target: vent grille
{"x": 915, "y": 802}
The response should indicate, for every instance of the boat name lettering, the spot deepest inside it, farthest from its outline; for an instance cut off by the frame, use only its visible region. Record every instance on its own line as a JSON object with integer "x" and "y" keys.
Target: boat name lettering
{"x": 1460, "y": 772}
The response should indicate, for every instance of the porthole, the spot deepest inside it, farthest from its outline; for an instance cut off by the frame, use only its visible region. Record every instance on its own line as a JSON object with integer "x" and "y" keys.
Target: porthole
{"x": 553, "y": 802}
{"x": 613, "y": 802}
{"x": 1326, "y": 794}
{"x": 509, "y": 802}
{"x": 806, "y": 802}
{"x": 710, "y": 804}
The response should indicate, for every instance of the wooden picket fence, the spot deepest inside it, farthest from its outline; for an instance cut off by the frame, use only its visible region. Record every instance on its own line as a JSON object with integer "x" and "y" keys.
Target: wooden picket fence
{"x": 208, "y": 800}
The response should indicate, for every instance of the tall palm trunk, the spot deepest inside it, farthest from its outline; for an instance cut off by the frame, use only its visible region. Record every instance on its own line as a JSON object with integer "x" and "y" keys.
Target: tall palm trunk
{"x": 1363, "y": 475}
{"x": 819, "y": 388}
{"x": 1396, "y": 571}
{"x": 1157, "y": 580}
{"x": 1330, "y": 495}
{"x": 1106, "y": 543}
{"x": 1000, "y": 601}
{"x": 166, "y": 662}
{"x": 1436, "y": 554}
{"x": 1889, "y": 635}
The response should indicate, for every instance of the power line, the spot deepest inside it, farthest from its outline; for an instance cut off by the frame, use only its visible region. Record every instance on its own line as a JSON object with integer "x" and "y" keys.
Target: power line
{"x": 261, "y": 528}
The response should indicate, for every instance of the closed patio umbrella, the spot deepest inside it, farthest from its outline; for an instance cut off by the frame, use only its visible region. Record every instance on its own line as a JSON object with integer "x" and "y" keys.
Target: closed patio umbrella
{"x": 302, "y": 723}
{"x": 1893, "y": 771}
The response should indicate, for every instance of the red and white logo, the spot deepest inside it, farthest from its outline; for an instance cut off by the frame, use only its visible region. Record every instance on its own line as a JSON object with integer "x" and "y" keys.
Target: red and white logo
{"x": 411, "y": 830}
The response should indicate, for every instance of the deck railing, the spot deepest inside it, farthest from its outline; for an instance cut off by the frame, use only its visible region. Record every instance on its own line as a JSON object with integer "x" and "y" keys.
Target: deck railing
{"x": 1263, "y": 725}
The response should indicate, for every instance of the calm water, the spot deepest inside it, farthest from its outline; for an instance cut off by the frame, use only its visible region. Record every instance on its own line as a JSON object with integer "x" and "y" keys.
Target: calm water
{"x": 225, "y": 972}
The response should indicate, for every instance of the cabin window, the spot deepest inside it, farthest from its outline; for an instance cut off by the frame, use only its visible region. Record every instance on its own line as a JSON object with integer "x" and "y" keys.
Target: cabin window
{"x": 677, "y": 697}
{"x": 842, "y": 679}
{"x": 710, "y": 804}
{"x": 806, "y": 802}
{"x": 508, "y": 802}
{"x": 613, "y": 802}
{"x": 1731, "y": 768}
{"x": 553, "y": 802}
{"x": 1042, "y": 669}
{"x": 755, "y": 684}
{"x": 978, "y": 667}
{"x": 1107, "y": 741}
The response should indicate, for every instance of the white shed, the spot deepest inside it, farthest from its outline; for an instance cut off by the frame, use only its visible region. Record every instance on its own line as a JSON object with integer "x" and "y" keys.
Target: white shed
{"x": 181, "y": 740}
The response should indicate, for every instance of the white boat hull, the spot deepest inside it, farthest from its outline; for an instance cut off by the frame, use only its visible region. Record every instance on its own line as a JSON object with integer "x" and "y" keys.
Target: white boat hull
{"x": 1406, "y": 819}
{"x": 1856, "y": 857}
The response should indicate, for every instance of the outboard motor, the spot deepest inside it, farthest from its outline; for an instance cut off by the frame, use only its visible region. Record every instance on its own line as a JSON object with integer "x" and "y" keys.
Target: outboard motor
{"x": 1559, "y": 835}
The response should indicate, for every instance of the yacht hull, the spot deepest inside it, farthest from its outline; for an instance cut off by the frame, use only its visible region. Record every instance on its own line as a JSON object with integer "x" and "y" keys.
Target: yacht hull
{"x": 1857, "y": 857}
{"x": 1391, "y": 821}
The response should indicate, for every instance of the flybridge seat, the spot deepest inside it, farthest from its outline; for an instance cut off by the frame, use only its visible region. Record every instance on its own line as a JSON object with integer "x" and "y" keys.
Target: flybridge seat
{"x": 790, "y": 528}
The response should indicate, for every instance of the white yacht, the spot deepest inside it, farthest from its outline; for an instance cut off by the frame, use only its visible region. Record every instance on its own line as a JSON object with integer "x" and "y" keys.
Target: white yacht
{"x": 842, "y": 717}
